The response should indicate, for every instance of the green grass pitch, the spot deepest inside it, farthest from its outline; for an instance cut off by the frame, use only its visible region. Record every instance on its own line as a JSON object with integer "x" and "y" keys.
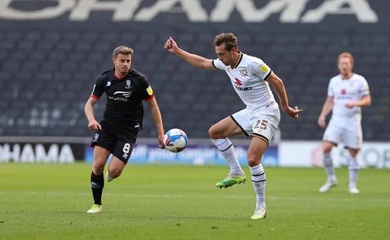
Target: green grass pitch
{"x": 45, "y": 201}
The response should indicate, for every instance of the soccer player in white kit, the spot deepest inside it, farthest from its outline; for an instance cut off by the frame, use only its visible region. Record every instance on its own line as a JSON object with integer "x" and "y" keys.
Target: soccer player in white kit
{"x": 348, "y": 92}
{"x": 250, "y": 78}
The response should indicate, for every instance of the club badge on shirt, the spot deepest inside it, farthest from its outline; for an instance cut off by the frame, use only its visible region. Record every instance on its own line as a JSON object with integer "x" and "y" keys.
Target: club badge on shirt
{"x": 244, "y": 72}
{"x": 128, "y": 84}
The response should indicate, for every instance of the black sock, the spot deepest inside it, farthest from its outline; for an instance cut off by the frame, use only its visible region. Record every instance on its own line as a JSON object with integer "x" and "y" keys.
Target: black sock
{"x": 97, "y": 184}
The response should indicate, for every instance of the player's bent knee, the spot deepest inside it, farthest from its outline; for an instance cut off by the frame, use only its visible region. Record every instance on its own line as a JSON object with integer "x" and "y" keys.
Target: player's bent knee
{"x": 327, "y": 147}
{"x": 213, "y": 134}
{"x": 253, "y": 162}
{"x": 116, "y": 167}
{"x": 353, "y": 152}
{"x": 114, "y": 173}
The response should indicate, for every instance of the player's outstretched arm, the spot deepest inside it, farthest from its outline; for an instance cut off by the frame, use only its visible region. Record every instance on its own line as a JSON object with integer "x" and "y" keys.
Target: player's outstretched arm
{"x": 278, "y": 85}
{"x": 195, "y": 60}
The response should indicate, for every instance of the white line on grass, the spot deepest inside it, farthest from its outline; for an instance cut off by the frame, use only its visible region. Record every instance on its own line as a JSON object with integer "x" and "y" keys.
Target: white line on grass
{"x": 134, "y": 195}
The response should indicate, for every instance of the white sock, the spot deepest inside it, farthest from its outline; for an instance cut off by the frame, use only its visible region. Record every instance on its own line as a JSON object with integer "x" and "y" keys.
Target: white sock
{"x": 226, "y": 149}
{"x": 328, "y": 165}
{"x": 108, "y": 177}
{"x": 353, "y": 167}
{"x": 259, "y": 183}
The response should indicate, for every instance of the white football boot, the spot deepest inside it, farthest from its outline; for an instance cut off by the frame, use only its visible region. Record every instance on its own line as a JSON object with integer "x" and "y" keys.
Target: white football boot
{"x": 328, "y": 185}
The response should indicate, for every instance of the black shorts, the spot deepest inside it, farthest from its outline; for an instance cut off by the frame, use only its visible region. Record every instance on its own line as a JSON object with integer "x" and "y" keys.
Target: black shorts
{"x": 119, "y": 142}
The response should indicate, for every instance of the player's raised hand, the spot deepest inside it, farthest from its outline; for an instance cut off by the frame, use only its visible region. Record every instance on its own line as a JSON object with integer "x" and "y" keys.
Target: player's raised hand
{"x": 170, "y": 45}
{"x": 293, "y": 112}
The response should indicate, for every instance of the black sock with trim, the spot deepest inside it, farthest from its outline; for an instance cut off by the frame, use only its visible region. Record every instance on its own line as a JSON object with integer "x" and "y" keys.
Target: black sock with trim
{"x": 97, "y": 185}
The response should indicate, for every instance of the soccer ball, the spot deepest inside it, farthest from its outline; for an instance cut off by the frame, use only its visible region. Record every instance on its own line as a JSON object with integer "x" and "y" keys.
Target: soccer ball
{"x": 175, "y": 140}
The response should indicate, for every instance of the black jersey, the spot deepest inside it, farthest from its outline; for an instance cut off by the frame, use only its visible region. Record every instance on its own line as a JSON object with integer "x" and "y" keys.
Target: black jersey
{"x": 124, "y": 107}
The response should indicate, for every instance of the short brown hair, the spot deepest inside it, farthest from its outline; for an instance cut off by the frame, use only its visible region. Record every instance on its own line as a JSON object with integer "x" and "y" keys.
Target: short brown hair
{"x": 122, "y": 50}
{"x": 228, "y": 39}
{"x": 345, "y": 55}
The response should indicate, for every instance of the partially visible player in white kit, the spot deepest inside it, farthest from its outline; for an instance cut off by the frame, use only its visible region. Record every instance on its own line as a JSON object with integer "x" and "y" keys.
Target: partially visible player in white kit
{"x": 250, "y": 77}
{"x": 347, "y": 93}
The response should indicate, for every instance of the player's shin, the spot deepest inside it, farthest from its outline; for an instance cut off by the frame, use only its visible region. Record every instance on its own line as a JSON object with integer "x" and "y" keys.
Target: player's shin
{"x": 97, "y": 185}
{"x": 259, "y": 184}
{"x": 226, "y": 149}
{"x": 329, "y": 168}
{"x": 353, "y": 168}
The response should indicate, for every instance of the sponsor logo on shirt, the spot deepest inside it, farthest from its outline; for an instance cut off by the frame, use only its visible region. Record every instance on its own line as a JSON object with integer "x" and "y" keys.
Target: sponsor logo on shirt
{"x": 120, "y": 96}
{"x": 238, "y": 82}
{"x": 123, "y": 93}
{"x": 243, "y": 88}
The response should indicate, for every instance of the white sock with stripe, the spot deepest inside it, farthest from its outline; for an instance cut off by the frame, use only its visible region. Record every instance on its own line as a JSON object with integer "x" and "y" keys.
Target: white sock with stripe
{"x": 259, "y": 183}
{"x": 353, "y": 168}
{"x": 226, "y": 149}
{"x": 329, "y": 168}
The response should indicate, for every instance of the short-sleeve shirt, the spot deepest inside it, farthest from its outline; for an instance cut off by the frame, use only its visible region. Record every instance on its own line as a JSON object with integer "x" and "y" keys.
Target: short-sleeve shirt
{"x": 124, "y": 96}
{"x": 347, "y": 90}
{"x": 249, "y": 81}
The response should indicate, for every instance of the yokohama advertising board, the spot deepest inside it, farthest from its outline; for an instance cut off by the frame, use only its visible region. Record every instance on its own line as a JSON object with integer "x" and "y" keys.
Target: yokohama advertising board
{"x": 289, "y": 11}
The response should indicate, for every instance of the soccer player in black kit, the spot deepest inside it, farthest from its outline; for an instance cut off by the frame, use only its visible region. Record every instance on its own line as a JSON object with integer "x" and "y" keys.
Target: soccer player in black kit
{"x": 125, "y": 90}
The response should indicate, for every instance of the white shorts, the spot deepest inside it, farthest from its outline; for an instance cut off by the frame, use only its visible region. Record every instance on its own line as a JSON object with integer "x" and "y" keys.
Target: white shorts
{"x": 262, "y": 123}
{"x": 347, "y": 131}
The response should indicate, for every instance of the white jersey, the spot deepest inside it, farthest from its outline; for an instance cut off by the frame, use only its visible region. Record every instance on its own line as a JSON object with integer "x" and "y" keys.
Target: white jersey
{"x": 248, "y": 79}
{"x": 343, "y": 91}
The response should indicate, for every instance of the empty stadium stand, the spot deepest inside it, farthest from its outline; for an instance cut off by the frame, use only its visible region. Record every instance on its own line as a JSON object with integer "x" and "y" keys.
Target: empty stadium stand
{"x": 48, "y": 68}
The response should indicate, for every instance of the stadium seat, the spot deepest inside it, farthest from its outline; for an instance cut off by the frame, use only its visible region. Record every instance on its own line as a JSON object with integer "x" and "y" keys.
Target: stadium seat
{"x": 58, "y": 65}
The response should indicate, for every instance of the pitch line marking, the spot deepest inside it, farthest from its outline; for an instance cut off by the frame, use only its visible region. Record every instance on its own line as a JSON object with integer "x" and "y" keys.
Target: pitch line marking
{"x": 197, "y": 196}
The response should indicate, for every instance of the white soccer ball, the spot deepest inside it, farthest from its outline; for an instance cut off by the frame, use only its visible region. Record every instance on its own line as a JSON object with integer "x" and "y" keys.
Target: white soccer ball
{"x": 175, "y": 140}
